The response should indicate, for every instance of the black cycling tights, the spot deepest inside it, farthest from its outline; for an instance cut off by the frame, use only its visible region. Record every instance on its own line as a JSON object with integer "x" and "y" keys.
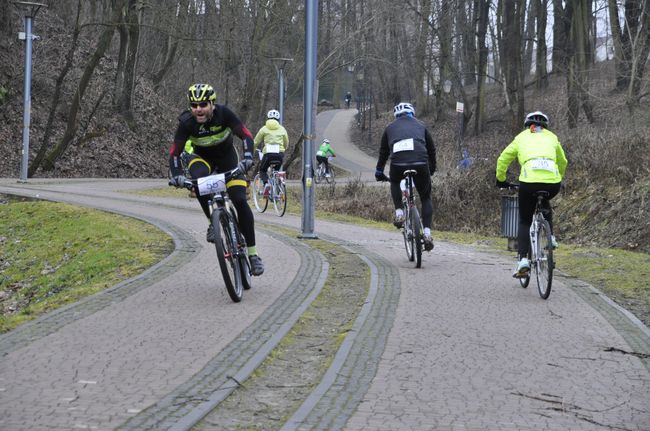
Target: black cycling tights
{"x": 244, "y": 213}
{"x": 422, "y": 184}
{"x": 200, "y": 168}
{"x": 527, "y": 202}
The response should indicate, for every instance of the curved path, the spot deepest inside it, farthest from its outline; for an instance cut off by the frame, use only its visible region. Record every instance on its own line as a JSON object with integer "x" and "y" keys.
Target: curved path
{"x": 335, "y": 125}
{"x": 454, "y": 345}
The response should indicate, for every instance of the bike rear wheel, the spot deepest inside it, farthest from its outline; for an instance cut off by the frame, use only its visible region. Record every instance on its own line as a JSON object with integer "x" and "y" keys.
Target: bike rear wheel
{"x": 544, "y": 260}
{"x": 227, "y": 254}
{"x": 418, "y": 235}
{"x": 260, "y": 201}
{"x": 407, "y": 233}
{"x": 280, "y": 198}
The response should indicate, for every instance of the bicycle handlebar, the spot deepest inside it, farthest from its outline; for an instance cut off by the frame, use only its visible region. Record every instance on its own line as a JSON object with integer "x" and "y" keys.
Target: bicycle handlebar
{"x": 188, "y": 184}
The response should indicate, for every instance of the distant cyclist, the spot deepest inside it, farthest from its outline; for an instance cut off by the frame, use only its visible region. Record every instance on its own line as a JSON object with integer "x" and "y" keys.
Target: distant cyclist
{"x": 275, "y": 140}
{"x": 543, "y": 163}
{"x": 348, "y": 99}
{"x": 410, "y": 146}
{"x": 210, "y": 128}
{"x": 322, "y": 155}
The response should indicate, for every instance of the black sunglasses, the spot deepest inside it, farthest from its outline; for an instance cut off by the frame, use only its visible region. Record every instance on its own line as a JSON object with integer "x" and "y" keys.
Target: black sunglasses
{"x": 201, "y": 104}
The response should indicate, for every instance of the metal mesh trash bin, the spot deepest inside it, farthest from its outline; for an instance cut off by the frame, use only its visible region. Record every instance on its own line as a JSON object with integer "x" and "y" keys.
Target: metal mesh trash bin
{"x": 510, "y": 219}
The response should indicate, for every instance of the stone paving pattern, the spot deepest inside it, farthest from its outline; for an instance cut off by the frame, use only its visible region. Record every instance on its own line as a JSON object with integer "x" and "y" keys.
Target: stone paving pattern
{"x": 466, "y": 347}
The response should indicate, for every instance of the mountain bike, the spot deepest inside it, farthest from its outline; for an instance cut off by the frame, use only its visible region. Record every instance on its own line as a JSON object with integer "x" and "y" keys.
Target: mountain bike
{"x": 230, "y": 243}
{"x": 277, "y": 190}
{"x": 412, "y": 227}
{"x": 321, "y": 173}
{"x": 540, "y": 253}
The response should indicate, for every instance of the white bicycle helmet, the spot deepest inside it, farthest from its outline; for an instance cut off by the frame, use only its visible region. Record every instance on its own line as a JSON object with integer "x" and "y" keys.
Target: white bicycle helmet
{"x": 273, "y": 114}
{"x": 403, "y": 108}
{"x": 326, "y": 141}
{"x": 537, "y": 117}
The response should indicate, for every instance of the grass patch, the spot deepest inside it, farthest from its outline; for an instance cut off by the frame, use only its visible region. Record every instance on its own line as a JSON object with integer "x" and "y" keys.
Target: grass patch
{"x": 296, "y": 365}
{"x": 53, "y": 254}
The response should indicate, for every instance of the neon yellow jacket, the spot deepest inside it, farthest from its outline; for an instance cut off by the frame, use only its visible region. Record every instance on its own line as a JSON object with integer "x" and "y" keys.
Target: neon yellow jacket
{"x": 272, "y": 133}
{"x": 539, "y": 154}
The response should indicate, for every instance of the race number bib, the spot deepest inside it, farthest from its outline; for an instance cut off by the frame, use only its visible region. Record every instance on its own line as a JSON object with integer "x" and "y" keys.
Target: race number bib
{"x": 211, "y": 184}
{"x": 403, "y": 145}
{"x": 543, "y": 165}
{"x": 272, "y": 148}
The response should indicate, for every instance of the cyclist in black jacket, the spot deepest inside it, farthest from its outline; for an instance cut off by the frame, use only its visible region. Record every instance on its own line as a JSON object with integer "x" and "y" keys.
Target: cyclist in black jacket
{"x": 210, "y": 128}
{"x": 410, "y": 146}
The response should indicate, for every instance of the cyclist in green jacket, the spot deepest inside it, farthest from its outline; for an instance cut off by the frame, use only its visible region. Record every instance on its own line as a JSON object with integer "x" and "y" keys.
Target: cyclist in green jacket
{"x": 324, "y": 152}
{"x": 543, "y": 163}
{"x": 275, "y": 139}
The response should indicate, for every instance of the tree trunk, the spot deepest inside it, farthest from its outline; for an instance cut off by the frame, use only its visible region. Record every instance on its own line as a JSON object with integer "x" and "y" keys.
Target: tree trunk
{"x": 72, "y": 124}
{"x": 541, "y": 73}
{"x": 420, "y": 54}
{"x": 128, "y": 87}
{"x": 45, "y": 142}
{"x": 578, "y": 62}
{"x": 511, "y": 58}
{"x": 560, "y": 30}
{"x": 483, "y": 8}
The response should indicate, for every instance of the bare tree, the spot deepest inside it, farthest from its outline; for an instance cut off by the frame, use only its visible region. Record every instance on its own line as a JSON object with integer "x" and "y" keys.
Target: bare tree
{"x": 510, "y": 20}
{"x": 541, "y": 72}
{"x": 72, "y": 123}
{"x": 578, "y": 12}
{"x": 481, "y": 30}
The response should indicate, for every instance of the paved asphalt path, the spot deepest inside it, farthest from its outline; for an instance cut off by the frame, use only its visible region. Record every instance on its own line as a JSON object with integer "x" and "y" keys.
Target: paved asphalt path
{"x": 454, "y": 345}
{"x": 335, "y": 125}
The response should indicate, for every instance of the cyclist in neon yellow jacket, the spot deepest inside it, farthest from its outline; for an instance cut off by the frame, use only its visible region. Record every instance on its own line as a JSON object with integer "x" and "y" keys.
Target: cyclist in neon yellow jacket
{"x": 543, "y": 163}
{"x": 275, "y": 139}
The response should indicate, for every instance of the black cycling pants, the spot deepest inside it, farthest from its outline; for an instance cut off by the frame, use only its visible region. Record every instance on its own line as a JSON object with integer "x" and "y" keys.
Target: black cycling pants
{"x": 422, "y": 184}
{"x": 323, "y": 159}
{"x": 267, "y": 159}
{"x": 199, "y": 167}
{"x": 527, "y": 202}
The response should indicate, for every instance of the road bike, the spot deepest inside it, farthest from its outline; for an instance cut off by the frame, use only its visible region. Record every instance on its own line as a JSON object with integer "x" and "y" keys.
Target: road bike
{"x": 321, "y": 174}
{"x": 540, "y": 253}
{"x": 277, "y": 190}
{"x": 230, "y": 244}
{"x": 412, "y": 227}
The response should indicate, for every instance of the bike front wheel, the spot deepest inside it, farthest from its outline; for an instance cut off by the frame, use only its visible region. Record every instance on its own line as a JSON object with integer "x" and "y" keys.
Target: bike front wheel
{"x": 227, "y": 254}
{"x": 418, "y": 236}
{"x": 261, "y": 202}
{"x": 280, "y": 198}
{"x": 544, "y": 260}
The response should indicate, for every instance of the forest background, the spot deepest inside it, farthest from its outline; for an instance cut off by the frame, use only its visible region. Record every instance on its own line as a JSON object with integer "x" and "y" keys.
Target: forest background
{"x": 110, "y": 77}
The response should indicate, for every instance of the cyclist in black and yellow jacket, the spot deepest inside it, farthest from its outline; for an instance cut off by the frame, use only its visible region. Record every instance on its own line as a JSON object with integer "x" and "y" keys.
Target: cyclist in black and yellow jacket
{"x": 210, "y": 128}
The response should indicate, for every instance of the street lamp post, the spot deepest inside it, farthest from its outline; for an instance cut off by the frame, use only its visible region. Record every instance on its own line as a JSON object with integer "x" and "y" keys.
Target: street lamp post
{"x": 31, "y": 9}
{"x": 280, "y": 64}
{"x": 311, "y": 45}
